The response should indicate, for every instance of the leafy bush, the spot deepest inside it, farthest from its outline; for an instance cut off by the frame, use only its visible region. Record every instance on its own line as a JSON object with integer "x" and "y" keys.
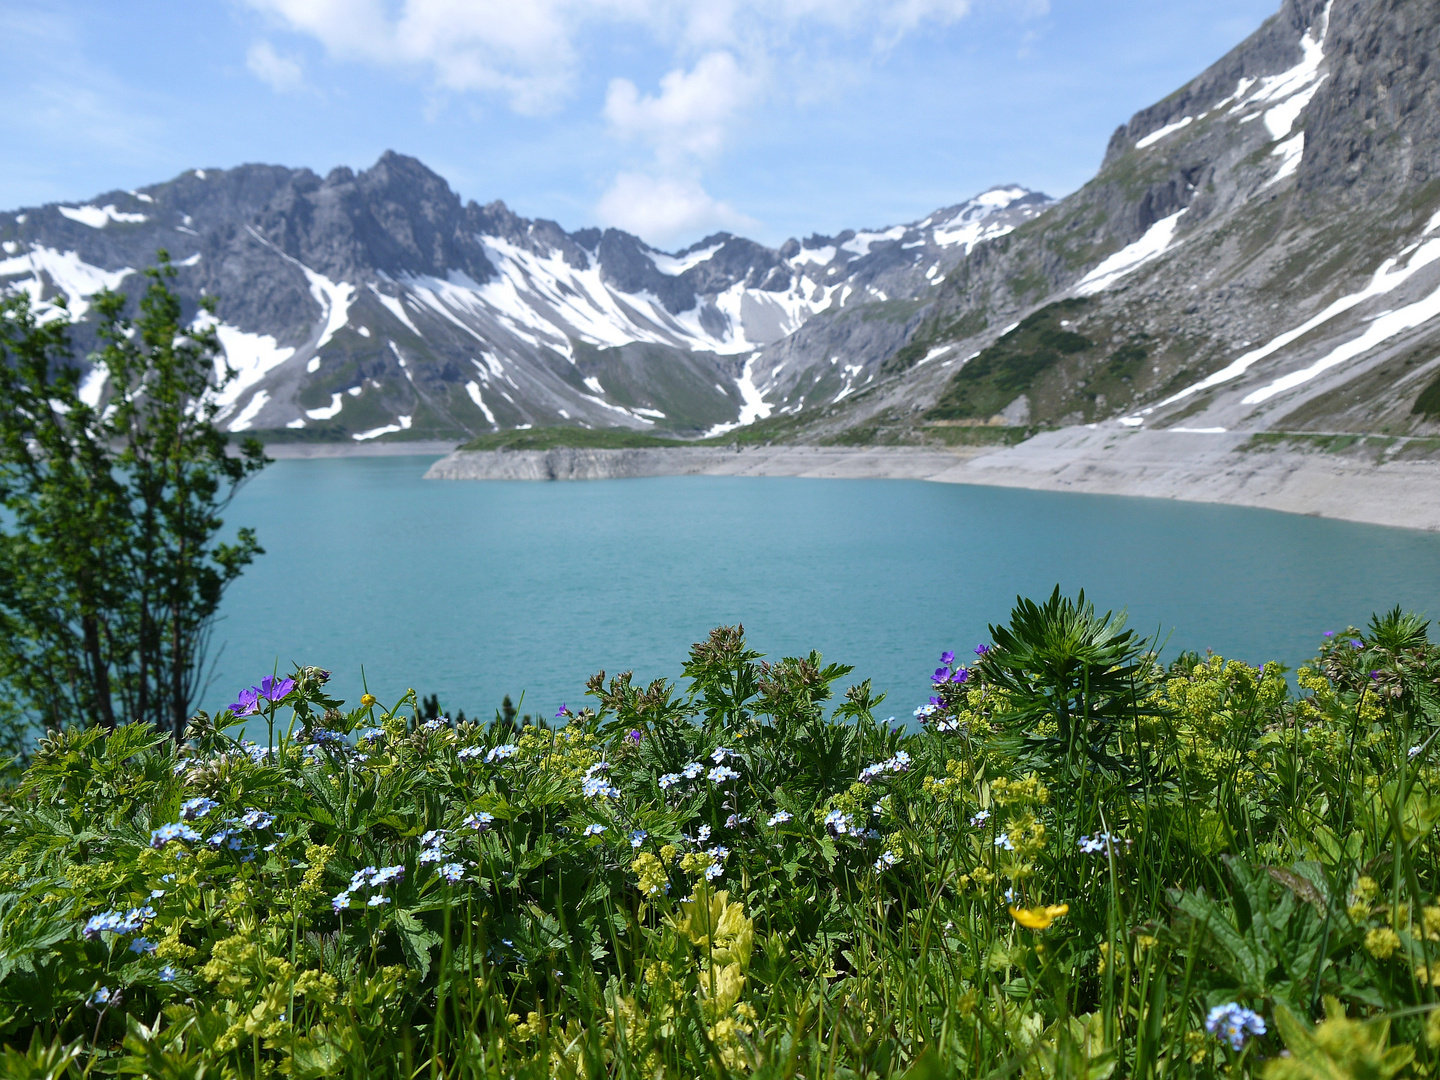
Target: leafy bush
{"x": 1076, "y": 862}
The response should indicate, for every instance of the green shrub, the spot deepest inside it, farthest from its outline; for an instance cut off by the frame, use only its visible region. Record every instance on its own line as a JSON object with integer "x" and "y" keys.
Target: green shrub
{"x": 1075, "y": 862}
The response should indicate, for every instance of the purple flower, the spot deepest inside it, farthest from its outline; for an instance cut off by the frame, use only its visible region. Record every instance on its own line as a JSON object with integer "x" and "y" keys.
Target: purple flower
{"x": 942, "y": 674}
{"x": 633, "y": 735}
{"x": 561, "y": 712}
{"x": 947, "y": 657}
{"x": 936, "y": 702}
{"x": 960, "y": 675}
{"x": 273, "y": 690}
{"x": 1356, "y": 643}
{"x": 244, "y": 704}
{"x": 981, "y": 650}
{"x": 1329, "y": 633}
{"x": 1375, "y": 675}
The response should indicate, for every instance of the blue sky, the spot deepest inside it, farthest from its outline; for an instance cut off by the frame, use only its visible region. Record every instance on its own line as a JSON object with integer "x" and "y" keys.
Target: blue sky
{"x": 672, "y": 118}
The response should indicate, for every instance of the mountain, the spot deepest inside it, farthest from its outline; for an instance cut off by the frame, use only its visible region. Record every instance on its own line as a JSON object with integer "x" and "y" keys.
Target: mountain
{"x": 377, "y": 305}
{"x": 1260, "y": 251}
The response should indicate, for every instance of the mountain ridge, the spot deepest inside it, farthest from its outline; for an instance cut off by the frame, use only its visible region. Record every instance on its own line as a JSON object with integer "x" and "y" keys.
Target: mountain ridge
{"x": 1259, "y": 251}
{"x": 462, "y": 316}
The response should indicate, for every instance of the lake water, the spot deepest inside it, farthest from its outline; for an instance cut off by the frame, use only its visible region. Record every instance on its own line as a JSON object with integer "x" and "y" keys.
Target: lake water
{"x": 475, "y": 590}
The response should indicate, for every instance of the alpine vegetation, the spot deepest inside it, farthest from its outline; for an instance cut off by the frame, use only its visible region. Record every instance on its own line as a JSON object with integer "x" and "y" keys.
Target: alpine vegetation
{"x": 1078, "y": 862}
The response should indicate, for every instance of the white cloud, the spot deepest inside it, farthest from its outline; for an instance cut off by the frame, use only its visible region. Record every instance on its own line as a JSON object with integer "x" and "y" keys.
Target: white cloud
{"x": 692, "y": 110}
{"x": 280, "y": 73}
{"x": 666, "y": 210}
{"x": 527, "y": 51}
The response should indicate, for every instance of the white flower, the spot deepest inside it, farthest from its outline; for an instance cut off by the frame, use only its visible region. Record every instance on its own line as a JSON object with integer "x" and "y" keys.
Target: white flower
{"x": 503, "y": 751}
{"x": 693, "y": 770}
{"x": 637, "y": 837}
{"x": 594, "y": 830}
{"x": 1003, "y": 841}
{"x": 779, "y": 818}
{"x": 470, "y": 752}
{"x": 703, "y": 834}
{"x": 669, "y": 780}
{"x": 721, "y": 773}
{"x": 720, "y": 754}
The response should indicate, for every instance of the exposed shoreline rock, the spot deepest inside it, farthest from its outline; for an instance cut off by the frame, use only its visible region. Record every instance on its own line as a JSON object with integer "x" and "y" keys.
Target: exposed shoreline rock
{"x": 1195, "y": 466}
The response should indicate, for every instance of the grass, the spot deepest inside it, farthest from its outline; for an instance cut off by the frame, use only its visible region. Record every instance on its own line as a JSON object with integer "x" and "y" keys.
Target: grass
{"x": 1076, "y": 862}
{"x": 550, "y": 438}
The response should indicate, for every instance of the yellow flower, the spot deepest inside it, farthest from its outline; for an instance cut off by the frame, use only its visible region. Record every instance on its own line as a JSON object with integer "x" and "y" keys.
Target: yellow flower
{"x": 366, "y": 700}
{"x": 1038, "y": 918}
{"x": 1382, "y": 943}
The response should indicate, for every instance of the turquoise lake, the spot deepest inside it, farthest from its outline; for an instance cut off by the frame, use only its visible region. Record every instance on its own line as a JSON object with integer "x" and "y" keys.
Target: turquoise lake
{"x": 475, "y": 590}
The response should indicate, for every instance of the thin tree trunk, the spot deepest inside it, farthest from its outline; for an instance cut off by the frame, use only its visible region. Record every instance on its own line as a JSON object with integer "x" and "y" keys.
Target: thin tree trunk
{"x": 99, "y": 671}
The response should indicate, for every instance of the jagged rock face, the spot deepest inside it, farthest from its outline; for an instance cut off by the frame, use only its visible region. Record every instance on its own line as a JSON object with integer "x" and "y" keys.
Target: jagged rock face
{"x": 1260, "y": 250}
{"x": 378, "y": 305}
{"x": 1374, "y": 127}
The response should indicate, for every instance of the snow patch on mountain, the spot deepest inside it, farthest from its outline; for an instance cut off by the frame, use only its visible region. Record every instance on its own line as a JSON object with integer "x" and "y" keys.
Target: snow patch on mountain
{"x": 247, "y": 415}
{"x": 67, "y": 273}
{"x": 250, "y": 356}
{"x": 1386, "y": 278}
{"x": 1127, "y": 260}
{"x": 97, "y": 217}
{"x": 327, "y": 412}
{"x": 1169, "y": 129}
{"x": 675, "y": 265}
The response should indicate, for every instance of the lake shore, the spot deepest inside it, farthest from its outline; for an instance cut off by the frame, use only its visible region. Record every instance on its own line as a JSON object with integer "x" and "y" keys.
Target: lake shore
{"x": 285, "y": 451}
{"x": 1218, "y": 467}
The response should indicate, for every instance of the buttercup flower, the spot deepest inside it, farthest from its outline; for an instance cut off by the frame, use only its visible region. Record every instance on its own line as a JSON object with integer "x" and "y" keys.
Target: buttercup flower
{"x": 1038, "y": 918}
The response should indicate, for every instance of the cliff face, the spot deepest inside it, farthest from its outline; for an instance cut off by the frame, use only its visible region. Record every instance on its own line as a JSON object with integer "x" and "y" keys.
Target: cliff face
{"x": 1373, "y": 129}
{"x": 1254, "y": 253}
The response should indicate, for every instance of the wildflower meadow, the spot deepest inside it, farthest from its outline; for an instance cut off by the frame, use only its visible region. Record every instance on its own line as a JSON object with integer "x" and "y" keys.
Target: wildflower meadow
{"x": 1072, "y": 860}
